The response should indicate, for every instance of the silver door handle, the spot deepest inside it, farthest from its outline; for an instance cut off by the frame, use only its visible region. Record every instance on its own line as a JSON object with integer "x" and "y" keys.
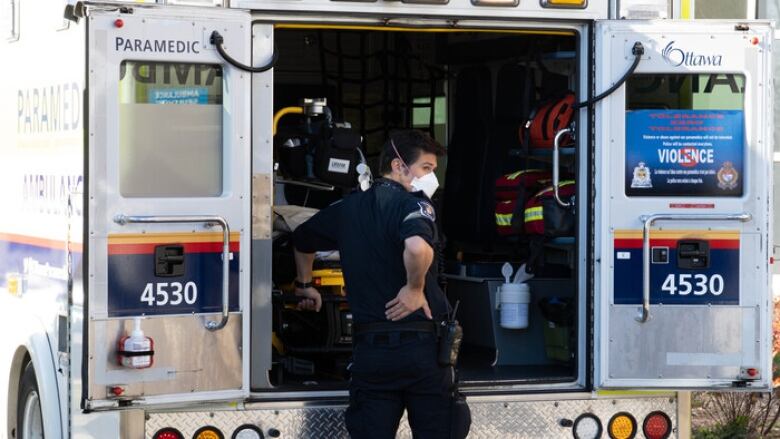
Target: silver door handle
{"x": 211, "y": 325}
{"x": 648, "y": 221}
{"x": 556, "y": 178}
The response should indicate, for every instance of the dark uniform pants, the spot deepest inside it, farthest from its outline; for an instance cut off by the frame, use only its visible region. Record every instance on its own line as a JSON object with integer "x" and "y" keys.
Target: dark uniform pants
{"x": 394, "y": 371}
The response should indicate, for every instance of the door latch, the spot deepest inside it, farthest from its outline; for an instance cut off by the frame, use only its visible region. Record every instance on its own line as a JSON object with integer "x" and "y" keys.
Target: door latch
{"x": 659, "y": 255}
{"x": 693, "y": 254}
{"x": 169, "y": 260}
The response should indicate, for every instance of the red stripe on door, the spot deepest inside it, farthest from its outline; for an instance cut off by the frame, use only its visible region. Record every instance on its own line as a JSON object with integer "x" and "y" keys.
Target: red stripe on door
{"x": 189, "y": 247}
{"x": 726, "y": 244}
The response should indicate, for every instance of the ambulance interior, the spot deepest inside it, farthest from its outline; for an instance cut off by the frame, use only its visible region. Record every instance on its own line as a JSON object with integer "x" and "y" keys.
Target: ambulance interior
{"x": 471, "y": 91}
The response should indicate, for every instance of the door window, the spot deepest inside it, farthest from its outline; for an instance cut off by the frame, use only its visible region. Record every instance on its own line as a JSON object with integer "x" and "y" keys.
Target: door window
{"x": 170, "y": 129}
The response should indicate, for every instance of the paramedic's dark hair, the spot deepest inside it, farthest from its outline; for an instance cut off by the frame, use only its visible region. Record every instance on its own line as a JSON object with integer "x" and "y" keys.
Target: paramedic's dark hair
{"x": 410, "y": 144}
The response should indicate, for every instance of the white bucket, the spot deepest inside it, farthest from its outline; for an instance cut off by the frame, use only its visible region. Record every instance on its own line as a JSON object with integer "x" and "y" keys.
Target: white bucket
{"x": 513, "y": 300}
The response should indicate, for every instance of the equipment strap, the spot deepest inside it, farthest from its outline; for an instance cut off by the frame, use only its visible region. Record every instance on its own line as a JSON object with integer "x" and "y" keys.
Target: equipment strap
{"x": 135, "y": 354}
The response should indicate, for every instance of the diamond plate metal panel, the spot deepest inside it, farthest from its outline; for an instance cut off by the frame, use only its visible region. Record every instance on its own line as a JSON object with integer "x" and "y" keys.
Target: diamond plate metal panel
{"x": 491, "y": 419}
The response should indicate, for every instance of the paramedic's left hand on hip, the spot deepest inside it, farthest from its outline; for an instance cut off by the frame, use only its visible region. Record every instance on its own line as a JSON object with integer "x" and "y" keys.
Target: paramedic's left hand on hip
{"x": 418, "y": 256}
{"x": 406, "y": 302}
{"x": 312, "y": 301}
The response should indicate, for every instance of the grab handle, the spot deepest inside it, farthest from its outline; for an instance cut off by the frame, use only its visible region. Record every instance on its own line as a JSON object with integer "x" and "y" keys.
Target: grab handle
{"x": 648, "y": 221}
{"x": 556, "y": 179}
{"x": 211, "y": 325}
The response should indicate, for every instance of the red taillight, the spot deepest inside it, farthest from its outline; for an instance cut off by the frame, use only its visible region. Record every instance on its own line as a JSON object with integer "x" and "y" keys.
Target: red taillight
{"x": 118, "y": 23}
{"x": 657, "y": 425}
{"x": 168, "y": 433}
{"x": 752, "y": 372}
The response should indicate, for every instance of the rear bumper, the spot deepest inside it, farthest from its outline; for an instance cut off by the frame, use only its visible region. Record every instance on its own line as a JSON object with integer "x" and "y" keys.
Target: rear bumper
{"x": 491, "y": 417}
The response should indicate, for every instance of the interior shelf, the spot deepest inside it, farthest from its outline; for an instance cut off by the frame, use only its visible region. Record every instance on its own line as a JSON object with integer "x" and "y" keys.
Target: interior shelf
{"x": 569, "y": 150}
{"x": 560, "y": 54}
{"x": 475, "y": 375}
{"x": 543, "y": 153}
{"x": 563, "y": 241}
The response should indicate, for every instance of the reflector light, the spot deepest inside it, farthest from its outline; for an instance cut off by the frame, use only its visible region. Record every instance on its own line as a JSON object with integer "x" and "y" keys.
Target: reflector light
{"x": 208, "y": 432}
{"x": 427, "y": 2}
{"x": 247, "y": 431}
{"x": 116, "y": 390}
{"x": 657, "y": 425}
{"x": 168, "y": 433}
{"x": 587, "y": 426}
{"x": 195, "y": 2}
{"x": 565, "y": 3}
{"x": 622, "y": 426}
{"x": 510, "y": 3}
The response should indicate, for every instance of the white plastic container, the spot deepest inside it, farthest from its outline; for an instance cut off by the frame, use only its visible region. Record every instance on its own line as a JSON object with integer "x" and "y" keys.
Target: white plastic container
{"x": 513, "y": 300}
{"x": 135, "y": 351}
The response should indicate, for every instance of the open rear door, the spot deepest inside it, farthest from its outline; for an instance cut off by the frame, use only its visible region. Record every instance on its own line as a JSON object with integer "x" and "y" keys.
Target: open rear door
{"x": 683, "y": 193}
{"x": 169, "y": 207}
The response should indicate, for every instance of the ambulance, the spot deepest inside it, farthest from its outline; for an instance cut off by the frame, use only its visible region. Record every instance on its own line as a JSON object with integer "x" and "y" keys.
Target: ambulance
{"x": 155, "y": 157}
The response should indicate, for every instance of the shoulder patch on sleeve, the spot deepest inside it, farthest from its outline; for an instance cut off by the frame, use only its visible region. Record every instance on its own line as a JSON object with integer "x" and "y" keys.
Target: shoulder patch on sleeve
{"x": 425, "y": 210}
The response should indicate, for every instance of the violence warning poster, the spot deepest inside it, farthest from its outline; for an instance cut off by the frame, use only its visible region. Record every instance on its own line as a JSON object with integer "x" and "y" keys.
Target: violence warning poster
{"x": 686, "y": 153}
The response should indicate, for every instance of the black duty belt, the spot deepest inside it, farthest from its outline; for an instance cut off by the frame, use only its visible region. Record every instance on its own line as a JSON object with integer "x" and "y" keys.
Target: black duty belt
{"x": 366, "y": 328}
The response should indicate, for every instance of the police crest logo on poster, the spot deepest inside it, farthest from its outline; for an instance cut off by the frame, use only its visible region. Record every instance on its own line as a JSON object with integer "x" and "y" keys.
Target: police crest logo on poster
{"x": 641, "y": 177}
{"x": 426, "y": 210}
{"x": 727, "y": 176}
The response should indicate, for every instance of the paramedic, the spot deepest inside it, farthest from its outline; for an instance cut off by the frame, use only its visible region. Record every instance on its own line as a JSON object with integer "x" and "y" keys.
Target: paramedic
{"x": 386, "y": 237}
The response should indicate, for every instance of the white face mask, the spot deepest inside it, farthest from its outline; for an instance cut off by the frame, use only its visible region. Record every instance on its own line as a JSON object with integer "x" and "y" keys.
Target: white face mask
{"x": 428, "y": 184}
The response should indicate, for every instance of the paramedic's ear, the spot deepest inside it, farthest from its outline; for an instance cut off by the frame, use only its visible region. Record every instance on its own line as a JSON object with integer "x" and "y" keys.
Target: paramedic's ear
{"x": 398, "y": 166}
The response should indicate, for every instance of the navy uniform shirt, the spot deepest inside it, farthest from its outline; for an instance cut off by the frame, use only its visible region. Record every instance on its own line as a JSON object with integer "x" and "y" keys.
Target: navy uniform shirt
{"x": 368, "y": 229}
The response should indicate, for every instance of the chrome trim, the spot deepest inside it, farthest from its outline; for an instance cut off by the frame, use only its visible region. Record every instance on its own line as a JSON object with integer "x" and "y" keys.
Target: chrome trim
{"x": 208, "y": 220}
{"x": 317, "y": 186}
{"x": 555, "y": 164}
